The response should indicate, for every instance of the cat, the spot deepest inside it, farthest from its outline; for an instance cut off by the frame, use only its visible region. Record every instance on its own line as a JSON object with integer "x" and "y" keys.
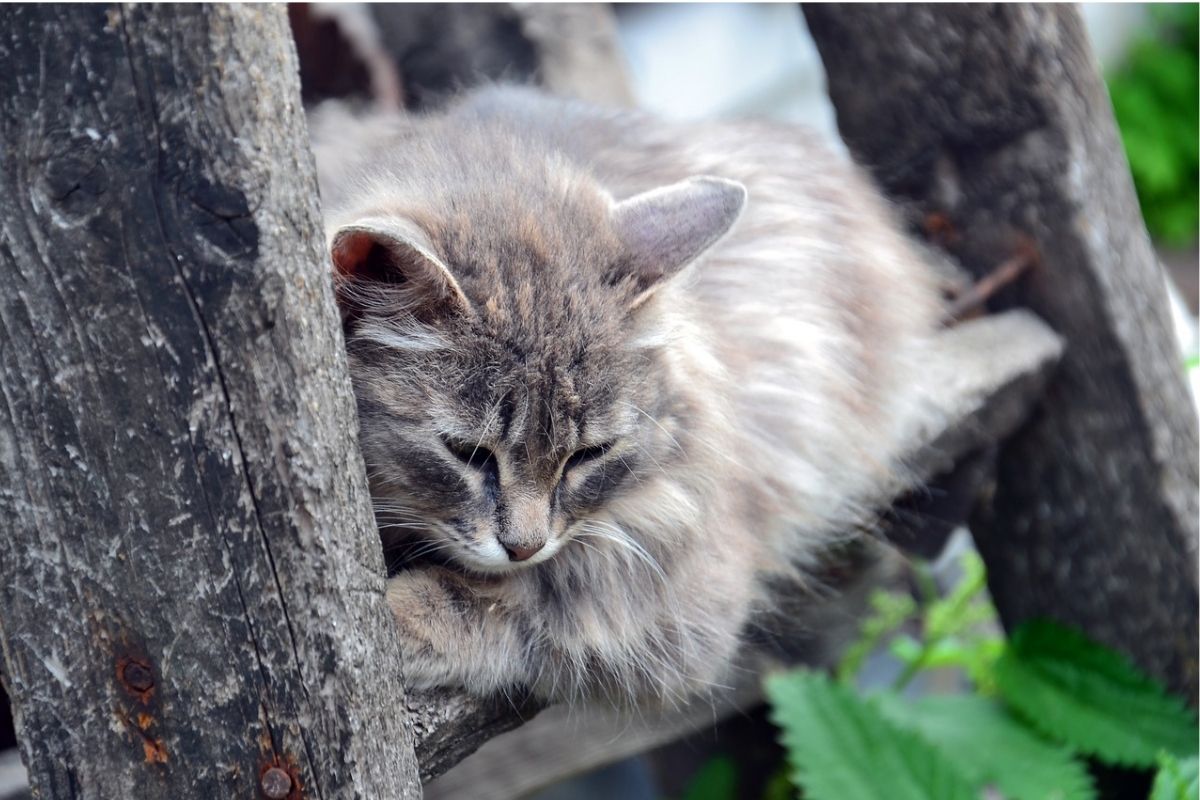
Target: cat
{"x": 615, "y": 376}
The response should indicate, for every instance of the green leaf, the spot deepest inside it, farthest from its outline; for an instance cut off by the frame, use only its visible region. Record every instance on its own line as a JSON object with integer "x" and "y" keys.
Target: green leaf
{"x": 891, "y": 610}
{"x": 1076, "y": 691}
{"x": 965, "y": 606}
{"x": 958, "y": 629}
{"x": 1155, "y": 95}
{"x": 1176, "y": 780}
{"x": 716, "y": 780}
{"x": 991, "y": 747}
{"x": 840, "y": 747}
{"x": 907, "y": 649}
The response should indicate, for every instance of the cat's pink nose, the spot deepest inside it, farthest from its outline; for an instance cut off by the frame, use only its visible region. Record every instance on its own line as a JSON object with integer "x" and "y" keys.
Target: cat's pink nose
{"x": 520, "y": 552}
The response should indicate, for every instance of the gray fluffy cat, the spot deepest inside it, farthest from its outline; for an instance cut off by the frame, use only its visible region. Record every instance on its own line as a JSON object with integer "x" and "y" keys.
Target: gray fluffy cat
{"x": 614, "y": 376}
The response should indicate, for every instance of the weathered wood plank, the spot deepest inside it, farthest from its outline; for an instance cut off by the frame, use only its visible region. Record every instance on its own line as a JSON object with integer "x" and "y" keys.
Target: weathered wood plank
{"x": 190, "y": 577}
{"x": 993, "y": 121}
{"x": 562, "y": 742}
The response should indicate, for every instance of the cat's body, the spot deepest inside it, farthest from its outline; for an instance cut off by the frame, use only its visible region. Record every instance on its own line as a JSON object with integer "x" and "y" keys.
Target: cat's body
{"x": 659, "y": 438}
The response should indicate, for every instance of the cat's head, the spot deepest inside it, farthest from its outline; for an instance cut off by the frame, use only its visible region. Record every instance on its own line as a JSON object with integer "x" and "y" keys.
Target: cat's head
{"x": 508, "y": 363}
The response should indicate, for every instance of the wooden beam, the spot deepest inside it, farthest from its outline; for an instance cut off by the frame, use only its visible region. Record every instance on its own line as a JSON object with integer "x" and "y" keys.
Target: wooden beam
{"x": 191, "y": 583}
{"x": 991, "y": 125}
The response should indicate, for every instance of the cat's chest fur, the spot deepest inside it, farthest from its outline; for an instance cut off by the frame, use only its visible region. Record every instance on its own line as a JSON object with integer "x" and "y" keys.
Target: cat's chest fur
{"x": 613, "y": 375}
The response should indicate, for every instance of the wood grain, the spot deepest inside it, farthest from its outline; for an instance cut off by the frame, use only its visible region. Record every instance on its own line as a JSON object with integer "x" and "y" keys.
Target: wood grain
{"x": 191, "y": 584}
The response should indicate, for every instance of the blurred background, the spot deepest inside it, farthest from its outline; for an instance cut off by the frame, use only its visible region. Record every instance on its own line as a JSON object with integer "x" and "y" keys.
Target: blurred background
{"x": 698, "y": 61}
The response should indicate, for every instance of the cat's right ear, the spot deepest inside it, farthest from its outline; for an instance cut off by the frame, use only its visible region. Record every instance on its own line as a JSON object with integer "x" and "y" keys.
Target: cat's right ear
{"x": 666, "y": 229}
{"x": 390, "y": 264}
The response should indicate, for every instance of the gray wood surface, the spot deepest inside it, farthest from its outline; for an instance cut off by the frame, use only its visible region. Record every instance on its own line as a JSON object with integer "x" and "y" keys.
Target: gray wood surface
{"x": 439, "y": 49}
{"x": 991, "y": 125}
{"x": 190, "y": 577}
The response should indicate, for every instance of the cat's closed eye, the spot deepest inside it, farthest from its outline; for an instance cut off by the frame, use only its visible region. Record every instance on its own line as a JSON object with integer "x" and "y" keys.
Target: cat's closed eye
{"x": 473, "y": 455}
{"x": 586, "y": 454}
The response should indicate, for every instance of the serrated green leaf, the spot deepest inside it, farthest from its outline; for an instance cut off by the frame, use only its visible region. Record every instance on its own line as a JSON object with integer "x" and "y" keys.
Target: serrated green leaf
{"x": 991, "y": 747}
{"x": 1078, "y": 692}
{"x": 1176, "y": 779}
{"x": 716, "y": 780}
{"x": 840, "y": 747}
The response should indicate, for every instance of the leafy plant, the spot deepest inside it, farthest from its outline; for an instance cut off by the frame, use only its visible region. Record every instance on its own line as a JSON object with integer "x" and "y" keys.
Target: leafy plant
{"x": 990, "y": 747}
{"x": 1074, "y": 690}
{"x": 956, "y": 630}
{"x": 1176, "y": 780}
{"x": 841, "y": 746}
{"x": 1042, "y": 701}
{"x": 891, "y": 610}
{"x": 1154, "y": 96}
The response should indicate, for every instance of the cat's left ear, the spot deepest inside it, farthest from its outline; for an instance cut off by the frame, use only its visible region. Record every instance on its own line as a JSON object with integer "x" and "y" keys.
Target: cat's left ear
{"x": 391, "y": 252}
{"x": 665, "y": 229}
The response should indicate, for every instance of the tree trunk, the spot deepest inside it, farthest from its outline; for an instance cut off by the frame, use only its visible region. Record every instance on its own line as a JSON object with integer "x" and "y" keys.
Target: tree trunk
{"x": 569, "y": 49}
{"x": 191, "y": 583}
{"x": 420, "y": 55}
{"x": 991, "y": 125}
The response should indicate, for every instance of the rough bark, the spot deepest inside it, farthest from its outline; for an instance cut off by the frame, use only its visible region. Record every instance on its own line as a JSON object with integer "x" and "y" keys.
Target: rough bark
{"x": 191, "y": 581}
{"x": 991, "y": 124}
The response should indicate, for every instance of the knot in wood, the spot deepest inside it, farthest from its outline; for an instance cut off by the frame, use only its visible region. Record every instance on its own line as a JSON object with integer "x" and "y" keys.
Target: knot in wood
{"x": 137, "y": 676}
{"x": 276, "y": 783}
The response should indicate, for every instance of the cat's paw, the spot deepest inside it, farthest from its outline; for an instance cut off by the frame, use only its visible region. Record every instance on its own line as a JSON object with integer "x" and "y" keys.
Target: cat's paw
{"x": 451, "y": 635}
{"x": 417, "y": 603}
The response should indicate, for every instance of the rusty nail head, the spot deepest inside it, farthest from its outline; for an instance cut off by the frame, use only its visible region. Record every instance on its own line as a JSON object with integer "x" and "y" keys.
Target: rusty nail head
{"x": 276, "y": 783}
{"x": 137, "y": 676}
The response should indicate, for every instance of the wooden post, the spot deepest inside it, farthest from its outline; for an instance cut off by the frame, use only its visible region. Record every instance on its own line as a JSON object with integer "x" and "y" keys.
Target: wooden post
{"x": 992, "y": 126}
{"x": 190, "y": 577}
{"x": 420, "y": 55}
{"x": 569, "y": 49}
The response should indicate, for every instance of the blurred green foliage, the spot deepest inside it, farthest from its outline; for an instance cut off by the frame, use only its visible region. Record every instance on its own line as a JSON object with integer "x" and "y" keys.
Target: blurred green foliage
{"x": 1036, "y": 707}
{"x": 1040, "y": 702}
{"x": 1177, "y": 779}
{"x": 716, "y": 780}
{"x": 1051, "y": 697}
{"x": 1155, "y": 96}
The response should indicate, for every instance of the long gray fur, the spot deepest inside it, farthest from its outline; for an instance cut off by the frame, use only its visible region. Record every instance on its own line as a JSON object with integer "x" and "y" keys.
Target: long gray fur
{"x": 735, "y": 414}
